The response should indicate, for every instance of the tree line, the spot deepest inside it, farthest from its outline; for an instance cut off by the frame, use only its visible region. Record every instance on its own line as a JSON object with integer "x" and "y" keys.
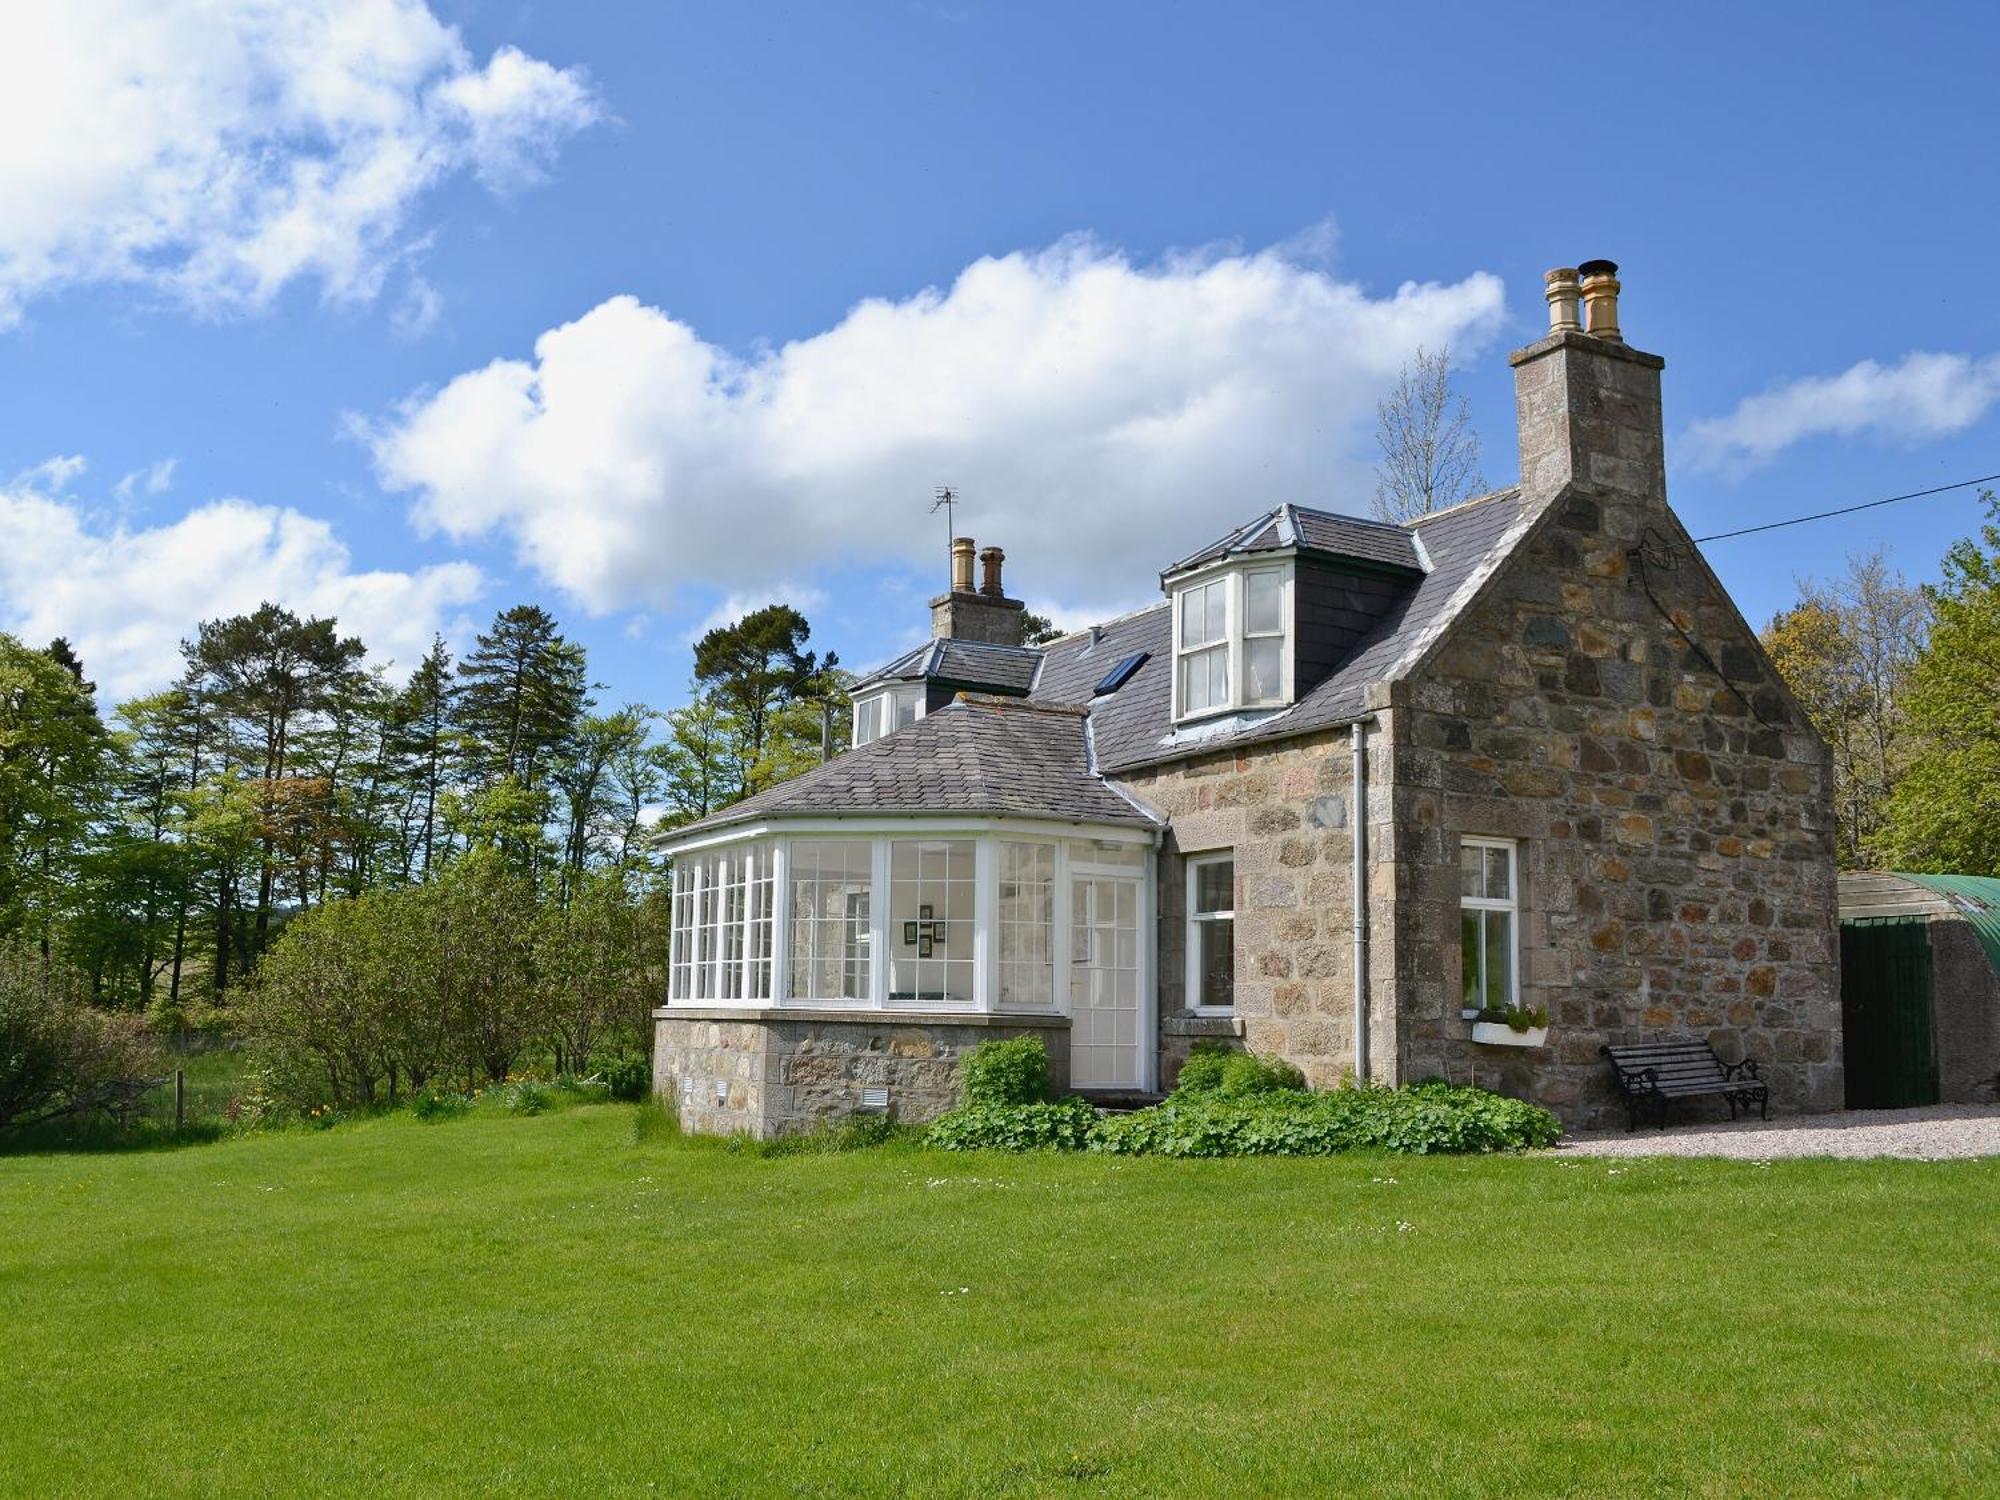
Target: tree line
{"x": 164, "y": 846}
{"x": 1903, "y": 682}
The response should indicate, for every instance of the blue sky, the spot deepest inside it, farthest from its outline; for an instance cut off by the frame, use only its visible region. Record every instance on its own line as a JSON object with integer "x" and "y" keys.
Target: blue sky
{"x": 647, "y": 312}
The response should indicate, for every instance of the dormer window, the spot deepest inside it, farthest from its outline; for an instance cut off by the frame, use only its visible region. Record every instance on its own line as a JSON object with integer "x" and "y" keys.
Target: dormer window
{"x": 1232, "y": 641}
{"x": 891, "y": 708}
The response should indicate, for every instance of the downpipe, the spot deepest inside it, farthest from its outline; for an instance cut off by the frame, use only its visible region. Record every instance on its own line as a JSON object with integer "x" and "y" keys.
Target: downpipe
{"x": 1358, "y": 733}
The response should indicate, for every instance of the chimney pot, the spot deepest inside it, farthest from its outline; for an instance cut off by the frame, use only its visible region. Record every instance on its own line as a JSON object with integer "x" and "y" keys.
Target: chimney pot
{"x": 989, "y": 572}
{"x": 1600, "y": 300}
{"x": 1563, "y": 296}
{"x": 961, "y": 565}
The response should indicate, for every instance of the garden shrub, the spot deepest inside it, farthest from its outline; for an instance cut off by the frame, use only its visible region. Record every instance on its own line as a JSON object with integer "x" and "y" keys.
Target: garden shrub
{"x": 526, "y": 1097}
{"x": 432, "y": 1105}
{"x": 1422, "y": 1120}
{"x": 61, "y": 1057}
{"x": 1266, "y": 1116}
{"x": 1202, "y": 1072}
{"x": 1011, "y": 1072}
{"x": 1065, "y": 1125}
{"x": 1232, "y": 1074}
{"x": 628, "y": 1075}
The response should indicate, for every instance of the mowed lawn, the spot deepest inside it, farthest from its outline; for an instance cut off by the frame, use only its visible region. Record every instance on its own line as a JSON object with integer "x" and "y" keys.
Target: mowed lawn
{"x": 542, "y": 1306}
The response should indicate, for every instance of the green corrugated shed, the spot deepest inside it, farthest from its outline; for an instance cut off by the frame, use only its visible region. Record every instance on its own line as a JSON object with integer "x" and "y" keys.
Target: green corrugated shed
{"x": 1975, "y": 898}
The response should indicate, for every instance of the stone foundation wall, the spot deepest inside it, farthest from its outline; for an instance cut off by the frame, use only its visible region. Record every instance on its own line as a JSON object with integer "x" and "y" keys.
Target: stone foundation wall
{"x": 771, "y": 1072}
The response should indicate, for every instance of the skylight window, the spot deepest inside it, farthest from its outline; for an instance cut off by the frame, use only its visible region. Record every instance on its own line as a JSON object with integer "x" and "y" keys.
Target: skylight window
{"x": 1121, "y": 674}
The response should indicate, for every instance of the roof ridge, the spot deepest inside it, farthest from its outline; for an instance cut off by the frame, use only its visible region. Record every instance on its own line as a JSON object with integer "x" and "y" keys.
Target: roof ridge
{"x": 1130, "y": 614}
{"x": 1341, "y": 515}
{"x": 1431, "y": 515}
{"x": 1029, "y": 705}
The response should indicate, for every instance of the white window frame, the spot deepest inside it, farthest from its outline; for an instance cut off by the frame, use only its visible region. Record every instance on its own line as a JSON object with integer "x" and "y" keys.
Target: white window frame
{"x": 1236, "y": 634}
{"x": 1511, "y": 905}
{"x": 891, "y": 699}
{"x": 1197, "y": 920}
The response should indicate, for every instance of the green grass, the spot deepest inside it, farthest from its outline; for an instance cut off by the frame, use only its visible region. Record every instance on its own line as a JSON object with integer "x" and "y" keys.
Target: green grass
{"x": 550, "y": 1305}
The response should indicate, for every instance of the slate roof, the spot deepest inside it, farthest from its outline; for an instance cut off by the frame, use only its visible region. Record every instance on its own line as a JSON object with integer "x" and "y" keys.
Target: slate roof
{"x": 979, "y": 756}
{"x": 1297, "y": 526}
{"x": 975, "y": 665}
{"x": 1134, "y": 726}
{"x": 1049, "y": 755}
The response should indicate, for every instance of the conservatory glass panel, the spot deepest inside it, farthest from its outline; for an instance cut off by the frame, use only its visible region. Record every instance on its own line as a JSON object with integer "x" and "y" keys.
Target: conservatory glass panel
{"x": 1027, "y": 925}
{"x": 830, "y": 891}
{"x": 931, "y": 900}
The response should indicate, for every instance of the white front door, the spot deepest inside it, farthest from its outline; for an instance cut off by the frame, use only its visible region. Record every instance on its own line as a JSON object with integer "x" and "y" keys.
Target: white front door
{"x": 1104, "y": 982}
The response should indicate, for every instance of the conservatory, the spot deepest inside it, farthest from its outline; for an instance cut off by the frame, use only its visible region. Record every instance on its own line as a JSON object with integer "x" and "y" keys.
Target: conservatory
{"x": 944, "y": 919}
{"x": 840, "y": 940}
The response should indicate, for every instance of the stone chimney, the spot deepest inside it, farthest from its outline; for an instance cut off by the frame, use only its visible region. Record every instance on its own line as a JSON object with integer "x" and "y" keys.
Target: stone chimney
{"x": 1587, "y": 403}
{"x": 982, "y": 614}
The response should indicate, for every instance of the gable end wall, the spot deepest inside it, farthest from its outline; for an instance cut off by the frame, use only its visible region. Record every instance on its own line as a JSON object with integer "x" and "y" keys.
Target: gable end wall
{"x": 1677, "y": 859}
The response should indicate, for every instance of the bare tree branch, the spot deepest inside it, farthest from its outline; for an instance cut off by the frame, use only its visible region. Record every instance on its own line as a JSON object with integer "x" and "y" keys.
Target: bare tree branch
{"x": 1430, "y": 454}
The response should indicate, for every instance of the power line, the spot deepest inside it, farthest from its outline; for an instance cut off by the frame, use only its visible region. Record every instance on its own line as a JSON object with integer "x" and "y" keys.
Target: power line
{"x": 1848, "y": 510}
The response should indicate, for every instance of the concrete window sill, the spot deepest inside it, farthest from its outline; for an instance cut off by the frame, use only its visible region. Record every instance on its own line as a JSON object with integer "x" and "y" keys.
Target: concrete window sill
{"x": 1186, "y": 1025}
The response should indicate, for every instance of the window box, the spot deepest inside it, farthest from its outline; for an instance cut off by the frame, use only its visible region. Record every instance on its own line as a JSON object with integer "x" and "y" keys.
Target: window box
{"x": 1500, "y": 1034}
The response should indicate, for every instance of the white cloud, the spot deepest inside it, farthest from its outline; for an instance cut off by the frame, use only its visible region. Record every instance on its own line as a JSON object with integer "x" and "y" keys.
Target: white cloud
{"x": 53, "y": 474}
{"x": 1922, "y": 396}
{"x": 1098, "y": 416}
{"x": 221, "y": 149}
{"x": 155, "y": 479}
{"x": 126, "y": 598}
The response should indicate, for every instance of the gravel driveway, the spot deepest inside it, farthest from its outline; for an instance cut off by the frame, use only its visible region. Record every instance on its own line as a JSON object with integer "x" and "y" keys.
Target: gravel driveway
{"x": 1931, "y": 1133}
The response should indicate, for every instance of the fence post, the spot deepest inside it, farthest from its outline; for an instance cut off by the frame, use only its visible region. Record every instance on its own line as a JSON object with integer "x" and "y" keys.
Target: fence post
{"x": 180, "y": 1098}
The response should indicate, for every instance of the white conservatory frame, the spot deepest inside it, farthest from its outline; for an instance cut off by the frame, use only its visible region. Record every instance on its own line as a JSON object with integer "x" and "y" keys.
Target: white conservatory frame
{"x": 1120, "y": 844}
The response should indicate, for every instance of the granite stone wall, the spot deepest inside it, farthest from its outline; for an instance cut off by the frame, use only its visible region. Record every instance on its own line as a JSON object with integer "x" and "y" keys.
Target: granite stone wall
{"x": 1286, "y": 811}
{"x": 1606, "y": 706}
{"x": 766, "y": 1073}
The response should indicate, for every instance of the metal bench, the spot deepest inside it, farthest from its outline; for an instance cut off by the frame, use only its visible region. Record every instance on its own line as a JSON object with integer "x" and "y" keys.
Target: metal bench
{"x": 1650, "y": 1074}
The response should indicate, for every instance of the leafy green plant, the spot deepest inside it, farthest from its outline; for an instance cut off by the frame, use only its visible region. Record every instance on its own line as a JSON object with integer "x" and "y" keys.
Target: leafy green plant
{"x": 1514, "y": 1017}
{"x": 527, "y": 1097}
{"x": 626, "y": 1074}
{"x": 1065, "y": 1125}
{"x": 1014, "y": 1071}
{"x": 1424, "y": 1119}
{"x": 433, "y": 1105}
{"x": 1234, "y": 1075}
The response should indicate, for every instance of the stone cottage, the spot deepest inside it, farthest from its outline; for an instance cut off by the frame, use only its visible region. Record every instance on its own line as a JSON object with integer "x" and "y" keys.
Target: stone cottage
{"x": 1346, "y": 786}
